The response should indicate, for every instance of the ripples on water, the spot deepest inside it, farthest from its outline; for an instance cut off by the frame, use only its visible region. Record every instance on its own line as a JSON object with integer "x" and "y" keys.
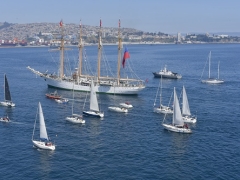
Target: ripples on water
{"x": 132, "y": 145}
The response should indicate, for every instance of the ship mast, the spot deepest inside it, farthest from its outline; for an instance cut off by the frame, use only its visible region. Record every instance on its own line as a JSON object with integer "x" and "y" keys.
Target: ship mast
{"x": 80, "y": 46}
{"x": 119, "y": 52}
{"x": 61, "y": 51}
{"x": 99, "y": 50}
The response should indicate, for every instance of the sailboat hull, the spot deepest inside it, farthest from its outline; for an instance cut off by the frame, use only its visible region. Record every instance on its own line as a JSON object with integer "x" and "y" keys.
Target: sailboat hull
{"x": 176, "y": 129}
{"x": 75, "y": 120}
{"x": 163, "y": 110}
{"x": 93, "y": 113}
{"x": 44, "y": 145}
{"x": 8, "y": 104}
{"x": 189, "y": 119}
{"x": 213, "y": 81}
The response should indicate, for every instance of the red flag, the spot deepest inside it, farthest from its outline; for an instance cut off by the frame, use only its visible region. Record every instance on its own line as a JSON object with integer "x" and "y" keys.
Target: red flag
{"x": 125, "y": 56}
{"x": 61, "y": 23}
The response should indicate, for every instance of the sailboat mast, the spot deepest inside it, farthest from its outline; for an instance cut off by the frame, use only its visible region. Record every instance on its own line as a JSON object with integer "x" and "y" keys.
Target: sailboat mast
{"x": 35, "y": 123}
{"x": 218, "y": 69}
{"x": 119, "y": 52}
{"x": 99, "y": 50}
{"x": 209, "y": 76}
{"x": 4, "y": 86}
{"x": 80, "y": 46}
{"x": 161, "y": 92}
{"x": 61, "y": 51}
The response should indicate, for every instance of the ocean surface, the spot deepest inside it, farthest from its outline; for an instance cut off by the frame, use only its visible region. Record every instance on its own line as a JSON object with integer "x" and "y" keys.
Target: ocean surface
{"x": 125, "y": 146}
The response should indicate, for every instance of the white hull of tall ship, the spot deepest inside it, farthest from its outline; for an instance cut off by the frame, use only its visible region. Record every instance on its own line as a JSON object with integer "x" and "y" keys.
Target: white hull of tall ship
{"x": 93, "y": 113}
{"x": 178, "y": 129}
{"x": 44, "y": 145}
{"x": 104, "y": 87}
{"x": 75, "y": 119}
{"x": 163, "y": 109}
{"x": 213, "y": 81}
{"x": 7, "y": 103}
{"x": 189, "y": 119}
{"x": 118, "y": 109}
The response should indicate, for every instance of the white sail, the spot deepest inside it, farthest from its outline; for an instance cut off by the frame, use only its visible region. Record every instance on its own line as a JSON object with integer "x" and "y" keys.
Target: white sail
{"x": 93, "y": 98}
{"x": 185, "y": 105}
{"x": 43, "y": 131}
{"x": 177, "y": 116}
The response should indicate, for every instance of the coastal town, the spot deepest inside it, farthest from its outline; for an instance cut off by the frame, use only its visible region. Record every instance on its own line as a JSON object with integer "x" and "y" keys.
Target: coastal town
{"x": 45, "y": 34}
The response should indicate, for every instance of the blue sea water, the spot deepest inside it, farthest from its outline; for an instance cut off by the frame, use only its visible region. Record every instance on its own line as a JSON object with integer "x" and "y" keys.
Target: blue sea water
{"x": 132, "y": 145}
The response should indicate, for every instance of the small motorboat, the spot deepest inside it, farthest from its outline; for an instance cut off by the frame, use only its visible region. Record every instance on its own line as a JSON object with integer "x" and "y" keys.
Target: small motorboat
{"x": 118, "y": 109}
{"x": 165, "y": 73}
{"x": 53, "y": 95}
{"x": 126, "y": 105}
{"x": 62, "y": 100}
{"x": 4, "y": 119}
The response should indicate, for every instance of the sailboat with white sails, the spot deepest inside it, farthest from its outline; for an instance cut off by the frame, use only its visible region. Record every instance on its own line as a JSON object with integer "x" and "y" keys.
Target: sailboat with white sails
{"x": 94, "y": 108}
{"x": 44, "y": 142}
{"x": 108, "y": 84}
{"x": 211, "y": 80}
{"x": 177, "y": 120}
{"x": 75, "y": 118}
{"x": 161, "y": 108}
{"x": 186, "y": 113}
{"x": 7, "y": 96}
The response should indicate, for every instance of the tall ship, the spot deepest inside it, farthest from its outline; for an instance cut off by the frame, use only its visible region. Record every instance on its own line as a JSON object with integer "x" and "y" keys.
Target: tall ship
{"x": 81, "y": 82}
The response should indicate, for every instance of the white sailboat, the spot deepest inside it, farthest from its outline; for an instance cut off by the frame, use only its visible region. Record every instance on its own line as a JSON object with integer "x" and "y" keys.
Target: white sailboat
{"x": 94, "y": 108}
{"x": 177, "y": 121}
{"x": 161, "y": 108}
{"x": 104, "y": 84}
{"x": 212, "y": 80}
{"x": 44, "y": 142}
{"x": 186, "y": 113}
{"x": 75, "y": 118}
{"x": 7, "y": 96}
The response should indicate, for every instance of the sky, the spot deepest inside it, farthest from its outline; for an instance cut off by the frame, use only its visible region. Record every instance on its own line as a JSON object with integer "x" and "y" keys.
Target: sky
{"x": 167, "y": 16}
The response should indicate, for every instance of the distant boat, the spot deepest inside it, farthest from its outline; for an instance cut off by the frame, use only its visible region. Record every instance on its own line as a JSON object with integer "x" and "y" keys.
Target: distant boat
{"x": 94, "y": 108}
{"x": 5, "y": 119}
{"x": 186, "y": 114}
{"x": 7, "y": 96}
{"x": 62, "y": 100}
{"x": 115, "y": 108}
{"x": 44, "y": 142}
{"x": 161, "y": 108}
{"x": 126, "y": 105}
{"x": 53, "y": 95}
{"x": 118, "y": 109}
{"x": 164, "y": 73}
{"x": 75, "y": 118}
{"x": 211, "y": 80}
{"x": 177, "y": 120}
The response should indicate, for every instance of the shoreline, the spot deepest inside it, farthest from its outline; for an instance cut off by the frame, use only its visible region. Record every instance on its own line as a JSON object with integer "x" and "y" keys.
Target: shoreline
{"x": 114, "y": 44}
